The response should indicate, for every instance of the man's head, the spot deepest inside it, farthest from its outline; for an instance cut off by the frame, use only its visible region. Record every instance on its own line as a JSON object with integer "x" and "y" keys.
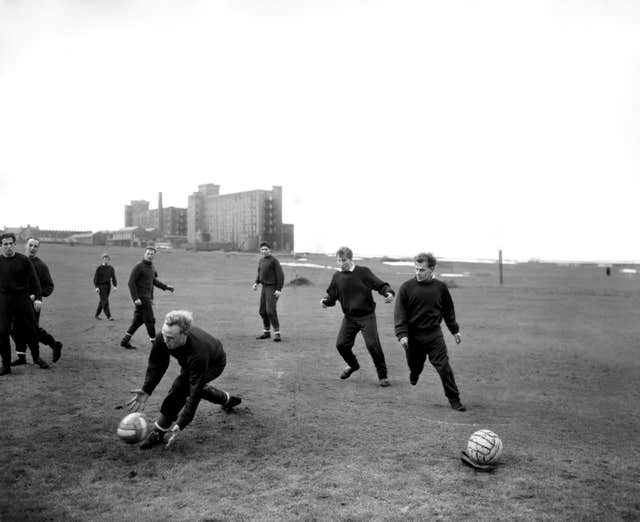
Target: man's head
{"x": 176, "y": 327}
{"x": 106, "y": 258}
{"x": 265, "y": 249}
{"x": 149, "y": 253}
{"x": 32, "y": 246}
{"x": 344, "y": 258}
{"x": 8, "y": 240}
{"x": 425, "y": 264}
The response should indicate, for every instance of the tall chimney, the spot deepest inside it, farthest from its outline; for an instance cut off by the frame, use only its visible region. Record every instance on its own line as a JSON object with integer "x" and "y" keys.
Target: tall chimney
{"x": 160, "y": 214}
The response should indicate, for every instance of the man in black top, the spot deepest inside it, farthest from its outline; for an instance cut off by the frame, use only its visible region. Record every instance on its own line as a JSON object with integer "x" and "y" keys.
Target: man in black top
{"x": 201, "y": 358}
{"x": 421, "y": 304}
{"x": 46, "y": 285}
{"x": 20, "y": 297}
{"x": 271, "y": 276}
{"x": 352, "y": 286}
{"x": 102, "y": 279}
{"x": 141, "y": 282}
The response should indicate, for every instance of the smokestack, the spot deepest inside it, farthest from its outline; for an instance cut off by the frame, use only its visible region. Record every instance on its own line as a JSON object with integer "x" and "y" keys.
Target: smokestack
{"x": 160, "y": 214}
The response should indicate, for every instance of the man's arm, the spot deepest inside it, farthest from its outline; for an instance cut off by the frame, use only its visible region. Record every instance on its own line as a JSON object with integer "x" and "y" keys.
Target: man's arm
{"x": 33, "y": 281}
{"x": 332, "y": 294}
{"x": 133, "y": 290}
{"x": 448, "y": 311}
{"x": 46, "y": 282}
{"x": 113, "y": 277}
{"x": 401, "y": 314}
{"x": 375, "y": 283}
{"x": 279, "y": 275}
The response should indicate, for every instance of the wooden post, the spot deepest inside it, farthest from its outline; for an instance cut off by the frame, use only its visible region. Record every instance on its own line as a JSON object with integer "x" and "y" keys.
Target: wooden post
{"x": 500, "y": 265}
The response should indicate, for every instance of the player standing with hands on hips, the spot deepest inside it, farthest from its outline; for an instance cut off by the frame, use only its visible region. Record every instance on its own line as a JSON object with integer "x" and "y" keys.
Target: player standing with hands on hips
{"x": 271, "y": 276}
{"x": 421, "y": 305}
{"x": 201, "y": 358}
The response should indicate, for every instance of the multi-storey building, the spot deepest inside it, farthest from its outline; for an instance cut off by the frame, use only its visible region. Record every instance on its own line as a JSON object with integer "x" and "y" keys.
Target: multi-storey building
{"x": 239, "y": 220}
{"x": 170, "y": 222}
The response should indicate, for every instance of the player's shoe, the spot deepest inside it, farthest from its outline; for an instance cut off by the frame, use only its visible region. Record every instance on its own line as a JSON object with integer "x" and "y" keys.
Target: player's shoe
{"x": 265, "y": 335}
{"x": 19, "y": 361}
{"x": 57, "y": 351}
{"x": 457, "y": 405}
{"x": 384, "y": 382}
{"x": 348, "y": 371}
{"x": 277, "y": 338}
{"x": 127, "y": 345}
{"x": 111, "y": 318}
{"x": 233, "y": 401}
{"x": 155, "y": 438}
{"x": 413, "y": 379}
{"x": 97, "y": 317}
{"x": 43, "y": 365}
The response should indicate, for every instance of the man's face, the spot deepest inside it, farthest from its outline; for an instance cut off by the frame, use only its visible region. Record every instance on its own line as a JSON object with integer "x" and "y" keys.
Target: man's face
{"x": 8, "y": 247}
{"x": 344, "y": 263}
{"x": 265, "y": 251}
{"x": 423, "y": 272}
{"x": 32, "y": 247}
{"x": 105, "y": 260}
{"x": 173, "y": 336}
{"x": 149, "y": 255}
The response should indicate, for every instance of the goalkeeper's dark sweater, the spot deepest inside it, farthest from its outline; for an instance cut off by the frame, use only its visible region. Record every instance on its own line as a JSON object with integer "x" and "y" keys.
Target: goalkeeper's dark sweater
{"x": 201, "y": 359}
{"x": 105, "y": 275}
{"x": 421, "y": 307}
{"x": 270, "y": 272}
{"x": 353, "y": 290}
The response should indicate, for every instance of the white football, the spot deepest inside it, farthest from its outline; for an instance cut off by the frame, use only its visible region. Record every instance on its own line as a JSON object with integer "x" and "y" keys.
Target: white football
{"x": 133, "y": 428}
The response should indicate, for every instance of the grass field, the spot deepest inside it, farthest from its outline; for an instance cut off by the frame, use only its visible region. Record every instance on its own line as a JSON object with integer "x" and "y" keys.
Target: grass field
{"x": 549, "y": 361}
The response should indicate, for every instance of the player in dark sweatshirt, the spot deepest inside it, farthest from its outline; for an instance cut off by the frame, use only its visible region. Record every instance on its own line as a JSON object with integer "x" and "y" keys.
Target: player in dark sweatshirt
{"x": 271, "y": 277}
{"x": 141, "y": 282}
{"x": 20, "y": 297}
{"x": 352, "y": 286}
{"x": 102, "y": 279}
{"x": 201, "y": 358}
{"x": 421, "y": 305}
{"x": 46, "y": 285}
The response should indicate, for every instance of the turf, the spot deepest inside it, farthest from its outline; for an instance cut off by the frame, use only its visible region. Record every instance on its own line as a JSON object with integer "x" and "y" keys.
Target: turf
{"x": 548, "y": 361}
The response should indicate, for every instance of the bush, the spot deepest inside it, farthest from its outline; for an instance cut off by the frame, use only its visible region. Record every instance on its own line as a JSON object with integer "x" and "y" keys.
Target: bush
{"x": 300, "y": 281}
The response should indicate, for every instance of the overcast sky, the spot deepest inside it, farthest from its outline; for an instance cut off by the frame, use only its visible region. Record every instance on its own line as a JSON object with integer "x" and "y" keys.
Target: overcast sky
{"x": 460, "y": 127}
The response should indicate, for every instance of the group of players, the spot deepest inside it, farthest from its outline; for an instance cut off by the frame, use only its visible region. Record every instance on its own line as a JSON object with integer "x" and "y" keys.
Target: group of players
{"x": 421, "y": 304}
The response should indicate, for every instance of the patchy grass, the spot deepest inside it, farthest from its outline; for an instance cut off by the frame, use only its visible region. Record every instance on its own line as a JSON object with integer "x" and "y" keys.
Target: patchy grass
{"x": 549, "y": 362}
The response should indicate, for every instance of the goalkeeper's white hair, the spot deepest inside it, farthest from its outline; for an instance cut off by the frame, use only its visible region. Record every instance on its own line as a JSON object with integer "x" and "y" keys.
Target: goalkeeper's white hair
{"x": 181, "y": 318}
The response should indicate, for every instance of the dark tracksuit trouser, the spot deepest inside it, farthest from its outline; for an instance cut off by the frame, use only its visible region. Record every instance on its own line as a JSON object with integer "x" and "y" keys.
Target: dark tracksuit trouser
{"x": 44, "y": 337}
{"x": 103, "y": 292}
{"x": 431, "y": 343}
{"x": 268, "y": 312}
{"x": 346, "y": 339}
{"x": 16, "y": 310}
{"x": 143, "y": 314}
{"x": 179, "y": 392}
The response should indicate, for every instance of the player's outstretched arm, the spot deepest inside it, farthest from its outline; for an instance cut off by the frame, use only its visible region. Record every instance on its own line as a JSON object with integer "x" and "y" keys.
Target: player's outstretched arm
{"x": 138, "y": 401}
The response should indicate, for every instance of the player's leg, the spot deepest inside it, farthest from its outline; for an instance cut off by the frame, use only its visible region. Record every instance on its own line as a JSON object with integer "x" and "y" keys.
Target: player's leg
{"x": 169, "y": 410}
{"x": 136, "y": 323}
{"x": 346, "y": 339}
{"x": 439, "y": 358}
{"x": 27, "y": 328}
{"x": 149, "y": 319}
{"x": 271, "y": 302}
{"x": 416, "y": 355}
{"x": 369, "y": 327}
{"x": 5, "y": 328}
{"x": 266, "y": 324}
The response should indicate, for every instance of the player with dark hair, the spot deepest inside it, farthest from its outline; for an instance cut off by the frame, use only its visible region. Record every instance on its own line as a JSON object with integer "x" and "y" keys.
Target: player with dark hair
{"x": 421, "y": 305}
{"x": 201, "y": 358}
{"x": 352, "y": 285}
{"x": 46, "y": 285}
{"x": 20, "y": 298}
{"x": 271, "y": 276}
{"x": 102, "y": 279}
{"x": 141, "y": 282}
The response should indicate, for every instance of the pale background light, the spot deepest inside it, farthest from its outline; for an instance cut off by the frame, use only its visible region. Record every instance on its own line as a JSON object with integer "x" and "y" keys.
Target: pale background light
{"x": 393, "y": 126}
